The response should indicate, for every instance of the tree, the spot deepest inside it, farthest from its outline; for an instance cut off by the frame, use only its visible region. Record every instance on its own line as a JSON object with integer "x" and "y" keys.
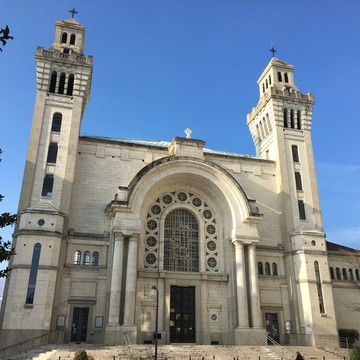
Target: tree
{"x": 6, "y": 248}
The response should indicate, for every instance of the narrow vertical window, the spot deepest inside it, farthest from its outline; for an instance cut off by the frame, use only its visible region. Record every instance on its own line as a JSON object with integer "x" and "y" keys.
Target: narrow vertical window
{"x": 295, "y": 153}
{"x": 298, "y": 181}
{"x": 263, "y": 87}
{"x": 52, "y": 153}
{"x": 70, "y": 86}
{"x": 53, "y": 78}
{"x": 338, "y": 275}
{"x": 267, "y": 268}
{"x": 274, "y": 269}
{"x": 48, "y": 185}
{"x": 279, "y": 77}
{"x": 292, "y": 119}
{"x": 62, "y": 83}
{"x": 266, "y": 83}
{"x": 332, "y": 275}
{"x": 86, "y": 258}
{"x": 56, "y": 122}
{"x": 269, "y": 79}
{"x": 95, "y": 258}
{"x": 286, "y": 77}
{"x": 33, "y": 274}
{"x": 351, "y": 275}
{"x": 357, "y": 275}
{"x": 344, "y": 274}
{"x": 319, "y": 287}
{"x": 64, "y": 38}
{"x": 72, "y": 39}
{"x": 299, "y": 119}
{"x": 301, "y": 206}
{"x": 77, "y": 257}
{"x": 285, "y": 118}
{"x": 260, "y": 268}
{"x": 258, "y": 132}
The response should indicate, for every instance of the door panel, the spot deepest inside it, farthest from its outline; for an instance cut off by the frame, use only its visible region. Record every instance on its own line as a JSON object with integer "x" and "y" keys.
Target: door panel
{"x": 79, "y": 324}
{"x": 272, "y": 327}
{"x": 182, "y": 314}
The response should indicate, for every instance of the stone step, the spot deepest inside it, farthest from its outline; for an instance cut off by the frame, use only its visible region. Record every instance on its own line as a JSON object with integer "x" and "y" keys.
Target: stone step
{"x": 178, "y": 352}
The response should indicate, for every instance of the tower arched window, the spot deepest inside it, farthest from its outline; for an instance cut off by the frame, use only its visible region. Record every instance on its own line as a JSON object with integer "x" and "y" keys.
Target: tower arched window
{"x": 53, "y": 79}
{"x": 285, "y": 112}
{"x": 260, "y": 268}
{"x": 279, "y": 77}
{"x": 357, "y": 275}
{"x": 70, "y": 86}
{"x": 267, "y": 268}
{"x": 286, "y": 78}
{"x": 338, "y": 275}
{"x": 33, "y": 274}
{"x": 86, "y": 258}
{"x": 266, "y": 83}
{"x": 52, "y": 153}
{"x": 274, "y": 269}
{"x": 181, "y": 241}
{"x": 72, "y": 39}
{"x": 292, "y": 119}
{"x": 64, "y": 38}
{"x": 56, "y": 122}
{"x": 295, "y": 153}
{"x": 263, "y": 87}
{"x": 299, "y": 119}
{"x": 62, "y": 83}
{"x": 351, "y": 274}
{"x": 77, "y": 257}
{"x": 344, "y": 274}
{"x": 48, "y": 185}
{"x": 95, "y": 258}
{"x": 269, "y": 79}
{"x": 319, "y": 287}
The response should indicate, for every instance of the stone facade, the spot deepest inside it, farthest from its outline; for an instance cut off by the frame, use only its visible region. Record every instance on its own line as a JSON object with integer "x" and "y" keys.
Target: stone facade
{"x": 227, "y": 248}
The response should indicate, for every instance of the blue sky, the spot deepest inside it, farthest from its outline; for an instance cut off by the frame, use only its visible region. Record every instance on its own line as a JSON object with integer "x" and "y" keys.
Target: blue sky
{"x": 161, "y": 66}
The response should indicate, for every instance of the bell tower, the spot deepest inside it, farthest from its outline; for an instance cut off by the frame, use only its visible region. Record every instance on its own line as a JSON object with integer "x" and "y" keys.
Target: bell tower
{"x": 280, "y": 126}
{"x": 63, "y": 78}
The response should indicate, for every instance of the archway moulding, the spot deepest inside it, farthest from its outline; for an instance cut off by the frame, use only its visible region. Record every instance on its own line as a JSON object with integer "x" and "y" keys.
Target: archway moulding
{"x": 239, "y": 214}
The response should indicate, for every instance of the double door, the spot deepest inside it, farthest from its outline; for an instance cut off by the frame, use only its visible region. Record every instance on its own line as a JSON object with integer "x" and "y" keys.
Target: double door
{"x": 79, "y": 324}
{"x": 182, "y": 314}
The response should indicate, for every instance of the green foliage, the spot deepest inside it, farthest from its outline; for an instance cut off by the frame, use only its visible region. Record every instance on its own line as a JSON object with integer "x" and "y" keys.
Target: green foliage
{"x": 80, "y": 355}
{"x": 355, "y": 353}
{"x": 6, "y": 249}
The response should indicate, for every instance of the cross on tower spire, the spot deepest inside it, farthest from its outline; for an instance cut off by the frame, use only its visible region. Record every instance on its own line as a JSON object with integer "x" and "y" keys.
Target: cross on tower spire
{"x": 273, "y": 51}
{"x": 73, "y": 12}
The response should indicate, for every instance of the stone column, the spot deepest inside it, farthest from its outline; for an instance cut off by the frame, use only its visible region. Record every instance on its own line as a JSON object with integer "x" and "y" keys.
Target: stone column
{"x": 242, "y": 304}
{"x": 116, "y": 279}
{"x": 130, "y": 285}
{"x": 254, "y": 289}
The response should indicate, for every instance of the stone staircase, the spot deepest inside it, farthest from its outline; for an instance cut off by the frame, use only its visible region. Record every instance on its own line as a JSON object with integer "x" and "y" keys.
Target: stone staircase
{"x": 180, "y": 352}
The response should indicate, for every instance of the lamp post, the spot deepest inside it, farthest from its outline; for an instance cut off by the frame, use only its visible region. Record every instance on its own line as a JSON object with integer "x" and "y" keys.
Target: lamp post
{"x": 156, "y": 335}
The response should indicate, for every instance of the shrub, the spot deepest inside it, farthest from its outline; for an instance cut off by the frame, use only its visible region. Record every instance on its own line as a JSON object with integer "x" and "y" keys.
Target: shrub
{"x": 80, "y": 355}
{"x": 355, "y": 353}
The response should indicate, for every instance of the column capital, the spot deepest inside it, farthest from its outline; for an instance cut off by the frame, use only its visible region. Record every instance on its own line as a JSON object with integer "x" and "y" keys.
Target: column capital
{"x": 121, "y": 233}
{"x": 244, "y": 240}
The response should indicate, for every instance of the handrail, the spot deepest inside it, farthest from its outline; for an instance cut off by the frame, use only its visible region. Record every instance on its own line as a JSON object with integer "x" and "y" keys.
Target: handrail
{"x": 127, "y": 343}
{"x": 283, "y": 351}
{"x": 24, "y": 341}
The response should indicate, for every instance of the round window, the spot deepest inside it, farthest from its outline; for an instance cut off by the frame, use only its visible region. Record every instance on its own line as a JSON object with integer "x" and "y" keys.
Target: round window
{"x": 152, "y": 224}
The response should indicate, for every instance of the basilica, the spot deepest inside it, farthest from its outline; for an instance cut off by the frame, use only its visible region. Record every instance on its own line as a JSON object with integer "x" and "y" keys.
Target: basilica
{"x": 126, "y": 241}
